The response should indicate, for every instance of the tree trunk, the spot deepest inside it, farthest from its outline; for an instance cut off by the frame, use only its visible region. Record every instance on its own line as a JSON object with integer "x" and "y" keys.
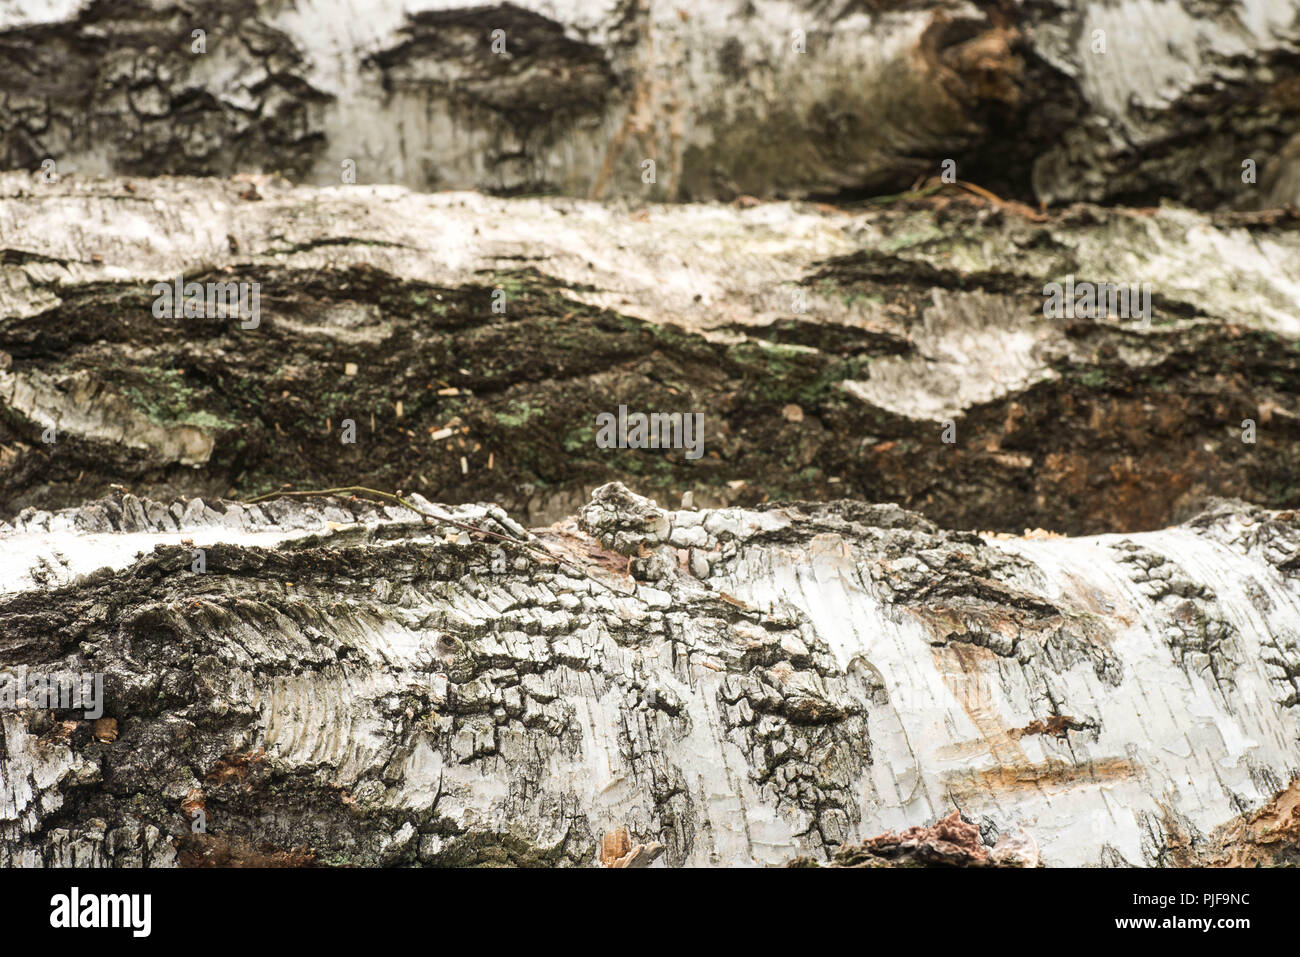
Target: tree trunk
{"x": 898, "y": 353}
{"x": 338, "y": 682}
{"x": 1039, "y": 100}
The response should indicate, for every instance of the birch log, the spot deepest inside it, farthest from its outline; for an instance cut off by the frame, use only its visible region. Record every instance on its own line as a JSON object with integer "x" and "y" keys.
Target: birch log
{"x": 895, "y": 353}
{"x": 1047, "y": 100}
{"x": 340, "y": 683}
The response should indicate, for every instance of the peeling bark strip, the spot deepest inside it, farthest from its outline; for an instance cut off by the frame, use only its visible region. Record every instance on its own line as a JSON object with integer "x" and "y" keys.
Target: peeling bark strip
{"x": 898, "y": 353}
{"x": 1128, "y": 100}
{"x": 346, "y": 685}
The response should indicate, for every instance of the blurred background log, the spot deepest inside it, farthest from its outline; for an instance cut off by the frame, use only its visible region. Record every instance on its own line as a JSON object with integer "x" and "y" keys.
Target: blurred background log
{"x": 1047, "y": 100}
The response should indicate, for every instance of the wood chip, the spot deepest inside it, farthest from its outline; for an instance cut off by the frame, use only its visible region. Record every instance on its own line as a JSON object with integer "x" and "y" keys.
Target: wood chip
{"x": 614, "y": 845}
{"x": 643, "y": 855}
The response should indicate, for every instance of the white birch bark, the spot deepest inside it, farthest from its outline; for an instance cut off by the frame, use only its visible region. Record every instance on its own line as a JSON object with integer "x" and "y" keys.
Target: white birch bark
{"x": 762, "y": 685}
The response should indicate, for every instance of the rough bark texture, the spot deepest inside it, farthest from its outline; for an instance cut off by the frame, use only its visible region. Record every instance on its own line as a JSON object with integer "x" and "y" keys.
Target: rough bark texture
{"x": 778, "y": 671}
{"x": 916, "y": 313}
{"x": 344, "y": 684}
{"x": 786, "y": 99}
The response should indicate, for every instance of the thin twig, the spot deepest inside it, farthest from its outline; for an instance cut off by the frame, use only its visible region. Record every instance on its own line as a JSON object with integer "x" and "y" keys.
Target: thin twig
{"x": 908, "y": 194}
{"x": 927, "y": 186}
{"x": 1015, "y": 207}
